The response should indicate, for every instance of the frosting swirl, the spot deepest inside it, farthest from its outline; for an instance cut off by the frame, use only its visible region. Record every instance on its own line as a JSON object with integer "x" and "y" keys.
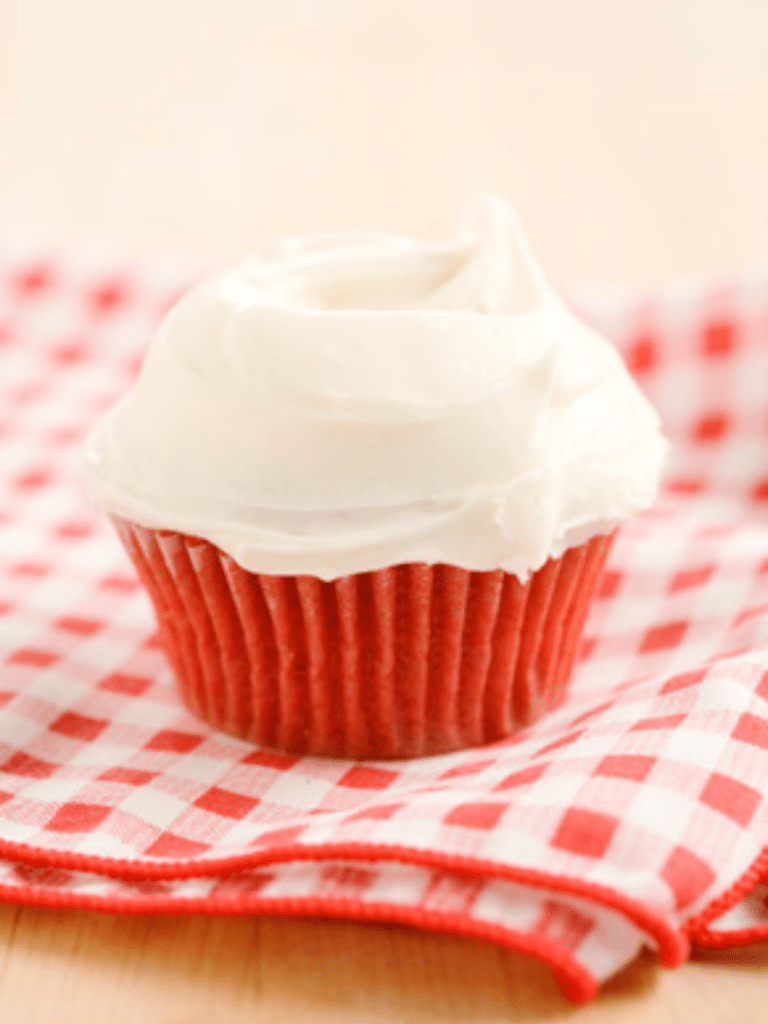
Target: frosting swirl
{"x": 341, "y": 403}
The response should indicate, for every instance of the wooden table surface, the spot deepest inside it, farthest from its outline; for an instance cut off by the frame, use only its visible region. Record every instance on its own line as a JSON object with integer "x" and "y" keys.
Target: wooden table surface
{"x": 632, "y": 138}
{"x": 78, "y": 967}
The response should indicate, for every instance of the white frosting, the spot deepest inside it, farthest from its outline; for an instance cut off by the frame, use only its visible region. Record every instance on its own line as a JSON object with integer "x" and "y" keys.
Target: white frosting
{"x": 341, "y": 403}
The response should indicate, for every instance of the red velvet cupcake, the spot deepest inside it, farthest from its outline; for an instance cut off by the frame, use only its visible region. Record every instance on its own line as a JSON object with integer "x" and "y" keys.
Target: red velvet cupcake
{"x": 369, "y": 484}
{"x": 400, "y": 662}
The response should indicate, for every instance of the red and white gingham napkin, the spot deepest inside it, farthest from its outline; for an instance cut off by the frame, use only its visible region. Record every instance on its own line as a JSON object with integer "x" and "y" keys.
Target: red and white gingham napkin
{"x": 635, "y": 815}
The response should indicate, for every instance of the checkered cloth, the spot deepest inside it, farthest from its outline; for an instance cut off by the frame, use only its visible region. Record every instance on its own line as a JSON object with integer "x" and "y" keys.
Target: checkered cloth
{"x": 634, "y": 815}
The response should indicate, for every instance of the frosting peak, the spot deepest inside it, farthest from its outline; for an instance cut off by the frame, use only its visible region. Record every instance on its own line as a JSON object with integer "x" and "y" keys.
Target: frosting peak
{"x": 339, "y": 403}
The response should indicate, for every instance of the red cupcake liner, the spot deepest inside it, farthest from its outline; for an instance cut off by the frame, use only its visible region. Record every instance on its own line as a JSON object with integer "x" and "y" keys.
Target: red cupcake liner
{"x": 401, "y": 662}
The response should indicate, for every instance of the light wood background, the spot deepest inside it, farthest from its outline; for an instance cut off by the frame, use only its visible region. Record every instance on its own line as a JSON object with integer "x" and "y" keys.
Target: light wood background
{"x": 632, "y": 137}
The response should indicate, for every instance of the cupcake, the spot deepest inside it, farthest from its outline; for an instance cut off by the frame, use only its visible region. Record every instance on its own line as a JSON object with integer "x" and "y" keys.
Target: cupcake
{"x": 369, "y": 483}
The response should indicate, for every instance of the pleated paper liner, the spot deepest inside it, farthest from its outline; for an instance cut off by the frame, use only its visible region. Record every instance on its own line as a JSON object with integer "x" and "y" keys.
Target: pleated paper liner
{"x": 401, "y": 662}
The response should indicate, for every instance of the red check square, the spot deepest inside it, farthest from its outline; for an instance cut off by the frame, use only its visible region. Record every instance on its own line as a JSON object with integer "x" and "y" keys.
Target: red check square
{"x": 69, "y": 352}
{"x": 731, "y": 798}
{"x": 173, "y": 741}
{"x": 643, "y": 354}
{"x": 32, "y": 280}
{"x": 131, "y": 686}
{"x": 564, "y": 741}
{"x": 128, "y": 776}
{"x": 683, "y": 681}
{"x": 120, "y": 583}
{"x": 563, "y": 924}
{"x": 718, "y": 338}
{"x": 471, "y": 768}
{"x": 661, "y": 722}
{"x": 33, "y": 478}
{"x": 30, "y": 569}
{"x": 21, "y": 763}
{"x": 751, "y": 729}
{"x": 477, "y": 815}
{"x": 75, "y": 817}
{"x": 348, "y": 880}
{"x": 75, "y": 624}
{"x": 109, "y": 295}
{"x": 74, "y": 530}
{"x": 609, "y": 584}
{"x": 271, "y": 759}
{"x": 634, "y": 767}
{"x": 687, "y": 876}
{"x": 587, "y": 833}
{"x": 689, "y": 485}
{"x": 688, "y": 578}
{"x": 249, "y": 883}
{"x": 79, "y": 727}
{"x": 33, "y": 658}
{"x": 362, "y": 777}
{"x": 658, "y": 638}
{"x": 711, "y": 428}
{"x": 378, "y": 812}
{"x": 279, "y": 837}
{"x": 176, "y": 847}
{"x": 226, "y": 803}
{"x": 524, "y": 777}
